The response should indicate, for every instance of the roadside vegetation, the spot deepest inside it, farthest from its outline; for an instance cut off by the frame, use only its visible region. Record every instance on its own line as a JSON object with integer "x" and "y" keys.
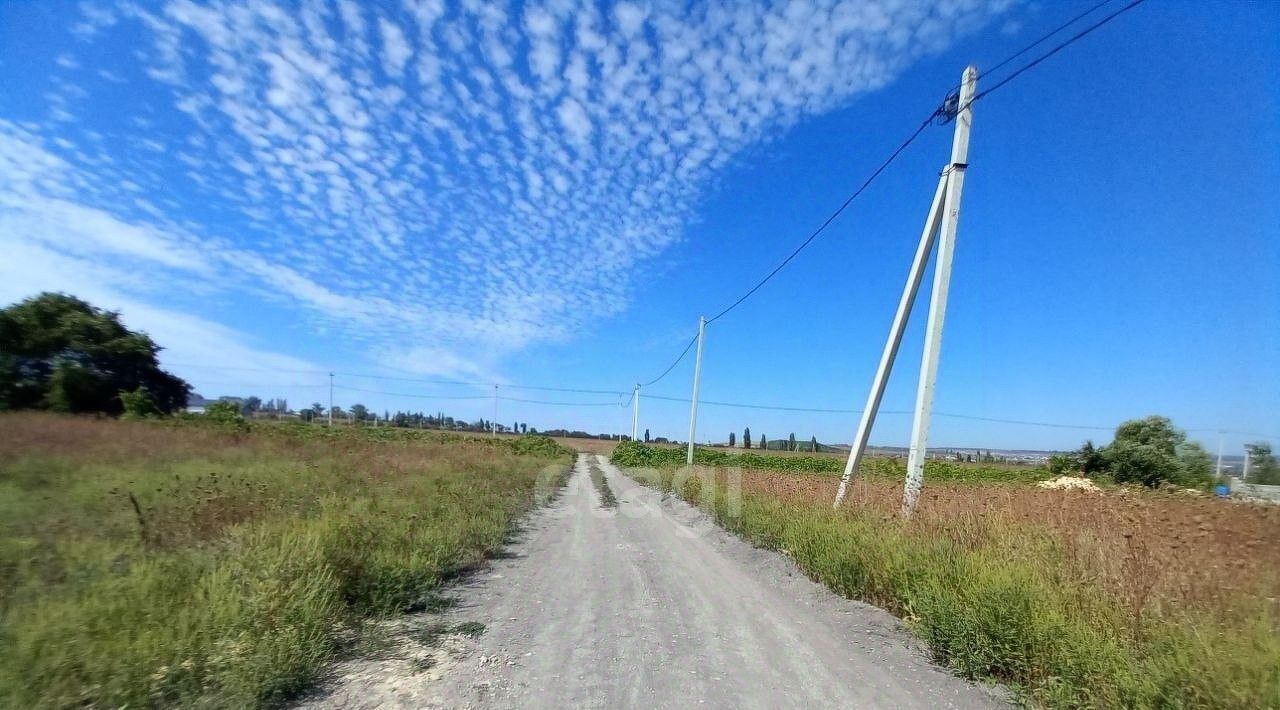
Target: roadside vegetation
{"x": 607, "y": 499}
{"x": 1127, "y": 598}
{"x": 635, "y": 454}
{"x": 209, "y": 562}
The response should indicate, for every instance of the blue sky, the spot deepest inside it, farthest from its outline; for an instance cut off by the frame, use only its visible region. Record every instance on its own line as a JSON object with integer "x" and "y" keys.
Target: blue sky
{"x": 551, "y": 194}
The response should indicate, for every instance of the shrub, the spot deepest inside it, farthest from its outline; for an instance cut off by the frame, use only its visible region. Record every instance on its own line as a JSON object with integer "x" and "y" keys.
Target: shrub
{"x": 225, "y": 414}
{"x": 138, "y": 404}
{"x": 534, "y": 445}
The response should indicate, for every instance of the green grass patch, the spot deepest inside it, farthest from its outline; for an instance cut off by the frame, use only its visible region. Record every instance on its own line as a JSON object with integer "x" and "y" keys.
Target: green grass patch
{"x": 607, "y": 499}
{"x": 144, "y": 564}
{"x": 634, "y": 454}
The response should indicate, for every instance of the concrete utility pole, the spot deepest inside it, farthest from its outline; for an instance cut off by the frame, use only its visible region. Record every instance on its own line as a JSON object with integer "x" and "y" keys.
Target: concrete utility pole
{"x": 940, "y": 226}
{"x": 1217, "y": 471}
{"x": 941, "y": 288}
{"x": 635, "y": 411}
{"x": 896, "y": 330}
{"x": 493, "y": 426}
{"x": 1244, "y": 477}
{"x": 330, "y": 399}
{"x": 697, "y": 378}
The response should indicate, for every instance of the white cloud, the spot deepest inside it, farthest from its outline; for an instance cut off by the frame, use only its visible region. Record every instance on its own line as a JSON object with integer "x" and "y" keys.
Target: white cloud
{"x": 396, "y": 50}
{"x": 190, "y": 342}
{"x": 434, "y": 176}
{"x": 575, "y": 121}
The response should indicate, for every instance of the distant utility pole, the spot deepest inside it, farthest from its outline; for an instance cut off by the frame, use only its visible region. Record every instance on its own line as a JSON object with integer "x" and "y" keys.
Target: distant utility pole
{"x": 330, "y": 399}
{"x": 1244, "y": 477}
{"x": 697, "y": 378}
{"x": 494, "y": 426}
{"x": 1217, "y": 472}
{"x": 940, "y": 226}
{"x": 635, "y": 411}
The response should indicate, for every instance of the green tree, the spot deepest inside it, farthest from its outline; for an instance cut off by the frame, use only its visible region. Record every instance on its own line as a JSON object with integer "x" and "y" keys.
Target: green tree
{"x": 791, "y": 442}
{"x": 746, "y": 438}
{"x": 732, "y": 440}
{"x": 646, "y": 436}
{"x": 1147, "y": 451}
{"x": 1092, "y": 462}
{"x": 1086, "y": 460}
{"x": 61, "y": 353}
{"x": 1263, "y": 469}
{"x": 359, "y": 412}
{"x": 813, "y": 444}
{"x": 138, "y": 404}
{"x": 251, "y": 405}
{"x": 764, "y": 442}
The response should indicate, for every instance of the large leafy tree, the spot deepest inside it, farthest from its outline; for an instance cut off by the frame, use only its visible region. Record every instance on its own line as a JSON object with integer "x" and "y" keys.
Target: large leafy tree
{"x": 58, "y": 352}
{"x": 1150, "y": 451}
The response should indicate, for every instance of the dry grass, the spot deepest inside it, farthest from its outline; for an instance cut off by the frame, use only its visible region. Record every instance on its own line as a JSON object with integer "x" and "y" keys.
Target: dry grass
{"x": 1119, "y": 599}
{"x": 1165, "y": 548}
{"x": 148, "y": 564}
{"x": 590, "y": 446}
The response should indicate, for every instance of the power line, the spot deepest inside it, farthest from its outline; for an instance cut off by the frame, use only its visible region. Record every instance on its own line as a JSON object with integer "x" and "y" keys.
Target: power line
{"x": 413, "y": 396}
{"x": 1053, "y": 425}
{"x": 673, "y": 364}
{"x": 540, "y": 388}
{"x": 393, "y": 378}
{"x": 475, "y": 397}
{"x": 940, "y": 111}
{"x": 827, "y": 222}
{"x": 1037, "y": 42}
{"x": 1035, "y": 62}
{"x": 566, "y": 404}
{"x": 228, "y": 368}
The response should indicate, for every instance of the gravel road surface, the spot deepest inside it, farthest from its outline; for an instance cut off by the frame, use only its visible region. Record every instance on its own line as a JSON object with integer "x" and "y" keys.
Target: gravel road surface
{"x": 647, "y": 604}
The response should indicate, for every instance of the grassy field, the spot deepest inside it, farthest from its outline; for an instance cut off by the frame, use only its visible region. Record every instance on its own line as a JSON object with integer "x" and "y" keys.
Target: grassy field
{"x": 1122, "y": 599}
{"x": 884, "y": 468}
{"x": 147, "y": 564}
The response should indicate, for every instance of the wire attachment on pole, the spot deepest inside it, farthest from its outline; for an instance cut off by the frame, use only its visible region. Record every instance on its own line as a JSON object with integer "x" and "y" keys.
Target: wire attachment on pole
{"x": 950, "y": 108}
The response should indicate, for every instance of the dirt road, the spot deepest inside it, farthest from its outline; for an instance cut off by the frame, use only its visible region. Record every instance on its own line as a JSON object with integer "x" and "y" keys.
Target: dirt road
{"x": 649, "y": 604}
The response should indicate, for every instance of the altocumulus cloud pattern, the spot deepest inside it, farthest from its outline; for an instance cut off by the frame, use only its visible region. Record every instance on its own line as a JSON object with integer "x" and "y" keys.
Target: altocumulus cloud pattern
{"x": 475, "y": 176}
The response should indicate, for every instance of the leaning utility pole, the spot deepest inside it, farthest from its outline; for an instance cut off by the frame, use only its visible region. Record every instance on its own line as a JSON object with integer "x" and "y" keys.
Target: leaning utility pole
{"x": 635, "y": 411}
{"x": 940, "y": 226}
{"x": 697, "y": 378}
{"x": 330, "y": 399}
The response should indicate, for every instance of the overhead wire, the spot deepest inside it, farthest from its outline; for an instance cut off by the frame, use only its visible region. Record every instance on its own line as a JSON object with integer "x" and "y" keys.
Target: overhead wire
{"x": 831, "y": 218}
{"x": 1058, "y": 48}
{"x": 673, "y": 364}
{"x": 1045, "y": 37}
{"x": 942, "y": 110}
